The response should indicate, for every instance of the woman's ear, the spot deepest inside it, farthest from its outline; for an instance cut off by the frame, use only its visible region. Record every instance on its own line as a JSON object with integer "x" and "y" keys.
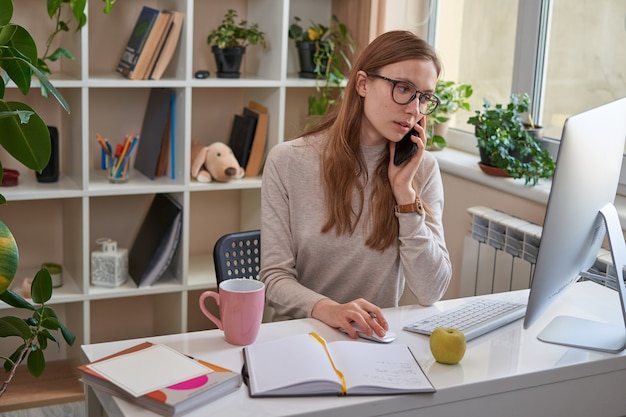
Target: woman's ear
{"x": 361, "y": 83}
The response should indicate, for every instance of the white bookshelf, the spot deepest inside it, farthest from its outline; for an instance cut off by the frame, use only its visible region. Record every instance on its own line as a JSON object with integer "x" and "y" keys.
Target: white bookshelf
{"x": 60, "y": 222}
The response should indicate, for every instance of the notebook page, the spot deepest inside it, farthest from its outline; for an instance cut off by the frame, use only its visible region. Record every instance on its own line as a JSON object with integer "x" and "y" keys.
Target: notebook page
{"x": 375, "y": 368}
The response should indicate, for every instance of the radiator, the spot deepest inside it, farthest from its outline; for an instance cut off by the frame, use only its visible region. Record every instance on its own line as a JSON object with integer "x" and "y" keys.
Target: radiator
{"x": 500, "y": 252}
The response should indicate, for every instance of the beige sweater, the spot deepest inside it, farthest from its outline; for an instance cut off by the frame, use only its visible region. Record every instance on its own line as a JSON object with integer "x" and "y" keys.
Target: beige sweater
{"x": 300, "y": 265}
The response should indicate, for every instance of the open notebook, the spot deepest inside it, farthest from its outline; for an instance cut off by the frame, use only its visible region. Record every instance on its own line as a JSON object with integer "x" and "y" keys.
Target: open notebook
{"x": 306, "y": 364}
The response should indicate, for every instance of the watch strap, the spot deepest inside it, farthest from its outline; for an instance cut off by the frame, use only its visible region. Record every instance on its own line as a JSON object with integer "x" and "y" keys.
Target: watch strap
{"x": 415, "y": 207}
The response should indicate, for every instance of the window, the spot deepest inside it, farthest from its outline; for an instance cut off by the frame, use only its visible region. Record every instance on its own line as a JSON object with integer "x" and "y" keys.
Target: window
{"x": 476, "y": 43}
{"x": 585, "y": 58}
{"x": 568, "y": 55}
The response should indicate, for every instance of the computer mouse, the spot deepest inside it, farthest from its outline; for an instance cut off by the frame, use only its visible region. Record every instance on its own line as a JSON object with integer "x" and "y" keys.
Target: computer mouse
{"x": 387, "y": 338}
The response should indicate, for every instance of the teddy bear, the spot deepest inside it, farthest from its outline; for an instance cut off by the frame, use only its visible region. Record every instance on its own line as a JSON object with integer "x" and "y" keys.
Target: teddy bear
{"x": 215, "y": 162}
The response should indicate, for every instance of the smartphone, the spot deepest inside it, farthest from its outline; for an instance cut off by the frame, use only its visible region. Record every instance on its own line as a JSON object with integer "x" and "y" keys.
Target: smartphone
{"x": 405, "y": 149}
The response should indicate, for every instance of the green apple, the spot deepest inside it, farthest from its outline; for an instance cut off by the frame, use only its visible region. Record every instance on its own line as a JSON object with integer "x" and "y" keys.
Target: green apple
{"x": 447, "y": 345}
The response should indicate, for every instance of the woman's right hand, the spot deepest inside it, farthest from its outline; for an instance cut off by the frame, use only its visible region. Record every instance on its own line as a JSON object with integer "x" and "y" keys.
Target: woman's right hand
{"x": 366, "y": 315}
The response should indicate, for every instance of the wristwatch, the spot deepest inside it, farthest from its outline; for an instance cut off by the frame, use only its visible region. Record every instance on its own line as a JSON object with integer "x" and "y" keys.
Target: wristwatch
{"x": 410, "y": 208}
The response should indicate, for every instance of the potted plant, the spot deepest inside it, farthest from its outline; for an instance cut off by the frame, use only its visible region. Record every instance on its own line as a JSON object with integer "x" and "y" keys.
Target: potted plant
{"x": 308, "y": 42}
{"x": 453, "y": 96}
{"x": 324, "y": 59}
{"x": 26, "y": 137}
{"x": 505, "y": 143}
{"x": 229, "y": 41}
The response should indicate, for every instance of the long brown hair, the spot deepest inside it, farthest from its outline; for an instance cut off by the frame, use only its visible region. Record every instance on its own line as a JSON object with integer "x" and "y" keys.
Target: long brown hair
{"x": 342, "y": 160}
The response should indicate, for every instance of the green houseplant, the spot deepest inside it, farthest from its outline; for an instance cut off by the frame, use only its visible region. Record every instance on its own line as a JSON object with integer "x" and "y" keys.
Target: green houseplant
{"x": 327, "y": 46}
{"x": 228, "y": 43}
{"x": 26, "y": 137}
{"x": 64, "y": 12}
{"x": 505, "y": 142}
{"x": 453, "y": 97}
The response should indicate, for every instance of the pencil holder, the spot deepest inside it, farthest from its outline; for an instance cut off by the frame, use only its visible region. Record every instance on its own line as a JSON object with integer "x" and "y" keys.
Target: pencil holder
{"x": 109, "y": 266}
{"x": 118, "y": 171}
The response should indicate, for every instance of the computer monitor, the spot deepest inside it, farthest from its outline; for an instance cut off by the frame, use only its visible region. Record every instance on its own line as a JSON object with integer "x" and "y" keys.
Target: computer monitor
{"x": 579, "y": 214}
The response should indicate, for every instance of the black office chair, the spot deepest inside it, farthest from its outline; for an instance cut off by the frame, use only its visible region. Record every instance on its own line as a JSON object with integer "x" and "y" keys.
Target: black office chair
{"x": 237, "y": 255}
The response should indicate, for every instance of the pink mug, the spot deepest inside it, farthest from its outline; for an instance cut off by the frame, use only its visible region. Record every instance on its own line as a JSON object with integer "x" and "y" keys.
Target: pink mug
{"x": 241, "y": 302}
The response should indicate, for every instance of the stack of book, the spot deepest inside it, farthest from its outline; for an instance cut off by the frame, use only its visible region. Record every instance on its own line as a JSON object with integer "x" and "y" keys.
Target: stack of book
{"x": 160, "y": 379}
{"x": 152, "y": 44}
{"x": 248, "y": 138}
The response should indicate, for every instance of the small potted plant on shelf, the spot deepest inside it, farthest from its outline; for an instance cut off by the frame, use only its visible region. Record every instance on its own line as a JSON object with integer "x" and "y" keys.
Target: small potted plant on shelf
{"x": 229, "y": 41}
{"x": 308, "y": 42}
{"x": 453, "y": 97}
{"x": 26, "y": 137}
{"x": 506, "y": 146}
{"x": 322, "y": 53}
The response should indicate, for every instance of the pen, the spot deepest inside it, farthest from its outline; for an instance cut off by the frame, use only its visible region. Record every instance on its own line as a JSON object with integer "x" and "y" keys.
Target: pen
{"x": 121, "y": 157}
{"x": 125, "y": 160}
{"x": 103, "y": 144}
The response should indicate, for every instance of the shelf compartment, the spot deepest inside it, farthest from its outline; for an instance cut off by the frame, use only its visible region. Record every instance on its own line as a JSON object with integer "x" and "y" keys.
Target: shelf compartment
{"x": 48, "y": 232}
{"x": 136, "y": 317}
{"x": 119, "y": 218}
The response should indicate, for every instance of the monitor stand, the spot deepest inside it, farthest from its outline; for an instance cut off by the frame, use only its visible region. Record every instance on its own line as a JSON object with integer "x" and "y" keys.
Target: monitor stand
{"x": 588, "y": 334}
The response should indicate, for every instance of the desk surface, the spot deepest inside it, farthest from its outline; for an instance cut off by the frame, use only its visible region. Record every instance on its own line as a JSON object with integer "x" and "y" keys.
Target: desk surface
{"x": 506, "y": 372}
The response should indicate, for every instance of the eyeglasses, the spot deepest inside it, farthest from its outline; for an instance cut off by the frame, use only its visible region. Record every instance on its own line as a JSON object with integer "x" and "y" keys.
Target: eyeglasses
{"x": 403, "y": 92}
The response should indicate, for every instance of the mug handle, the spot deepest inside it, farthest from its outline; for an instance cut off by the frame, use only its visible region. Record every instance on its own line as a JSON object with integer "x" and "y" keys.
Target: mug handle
{"x": 216, "y": 297}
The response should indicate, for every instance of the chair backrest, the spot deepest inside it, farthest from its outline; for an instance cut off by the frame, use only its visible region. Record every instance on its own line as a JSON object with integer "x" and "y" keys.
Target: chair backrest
{"x": 237, "y": 255}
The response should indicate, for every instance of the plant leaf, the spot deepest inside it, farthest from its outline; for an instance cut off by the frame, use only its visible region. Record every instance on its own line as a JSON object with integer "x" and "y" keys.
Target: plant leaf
{"x": 15, "y": 300}
{"x": 36, "y": 362}
{"x": 78, "y": 10}
{"x": 8, "y": 364}
{"x": 14, "y": 326}
{"x": 6, "y": 11}
{"x": 69, "y": 337}
{"x": 46, "y": 86}
{"x": 29, "y": 143}
{"x": 6, "y": 33}
{"x": 41, "y": 288}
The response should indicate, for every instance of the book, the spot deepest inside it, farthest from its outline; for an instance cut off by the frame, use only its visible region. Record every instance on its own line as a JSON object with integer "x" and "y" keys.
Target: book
{"x": 137, "y": 40}
{"x": 173, "y": 136}
{"x": 241, "y": 137}
{"x": 169, "y": 46}
{"x": 153, "y": 129}
{"x": 259, "y": 142}
{"x": 305, "y": 364}
{"x": 164, "y": 153}
{"x": 161, "y": 37}
{"x": 197, "y": 382}
{"x": 155, "y": 244}
{"x": 149, "y": 50}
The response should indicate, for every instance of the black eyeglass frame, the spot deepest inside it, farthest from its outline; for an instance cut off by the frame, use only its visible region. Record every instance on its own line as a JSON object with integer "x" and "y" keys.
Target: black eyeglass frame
{"x": 422, "y": 95}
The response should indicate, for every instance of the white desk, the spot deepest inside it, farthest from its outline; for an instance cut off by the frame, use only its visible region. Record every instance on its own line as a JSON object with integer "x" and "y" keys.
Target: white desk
{"x": 507, "y": 372}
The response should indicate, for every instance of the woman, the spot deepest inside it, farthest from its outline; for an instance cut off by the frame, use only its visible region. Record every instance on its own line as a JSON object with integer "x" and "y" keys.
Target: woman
{"x": 343, "y": 227}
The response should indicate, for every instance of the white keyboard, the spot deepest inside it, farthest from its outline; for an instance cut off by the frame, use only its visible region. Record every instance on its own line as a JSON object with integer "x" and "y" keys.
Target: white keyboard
{"x": 474, "y": 318}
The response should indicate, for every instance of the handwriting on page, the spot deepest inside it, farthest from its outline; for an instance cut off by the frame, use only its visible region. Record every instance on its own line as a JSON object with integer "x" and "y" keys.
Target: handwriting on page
{"x": 393, "y": 373}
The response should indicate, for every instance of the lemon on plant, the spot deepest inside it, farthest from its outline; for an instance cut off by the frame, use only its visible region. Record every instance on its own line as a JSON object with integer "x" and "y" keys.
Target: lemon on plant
{"x": 8, "y": 257}
{"x": 447, "y": 345}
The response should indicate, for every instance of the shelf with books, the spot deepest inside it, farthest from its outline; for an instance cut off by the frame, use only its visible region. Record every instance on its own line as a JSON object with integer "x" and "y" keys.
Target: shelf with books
{"x": 65, "y": 218}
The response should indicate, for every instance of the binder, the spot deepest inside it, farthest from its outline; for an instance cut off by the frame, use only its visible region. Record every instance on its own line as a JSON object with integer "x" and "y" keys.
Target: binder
{"x": 156, "y": 241}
